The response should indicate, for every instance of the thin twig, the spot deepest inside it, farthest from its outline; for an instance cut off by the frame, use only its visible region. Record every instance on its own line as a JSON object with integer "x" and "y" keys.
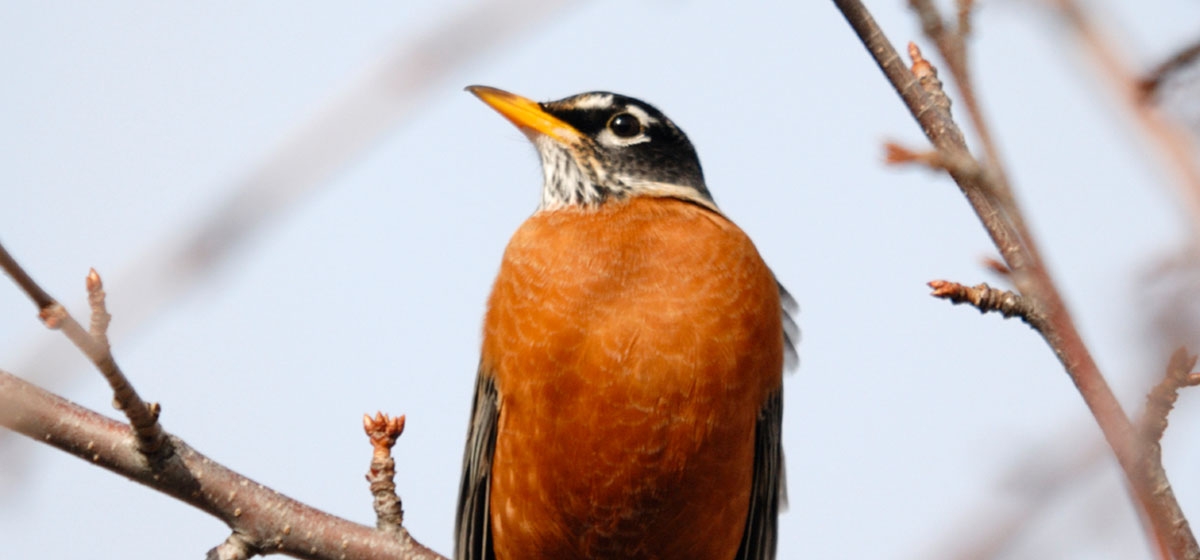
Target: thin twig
{"x": 996, "y": 266}
{"x": 1176, "y": 146}
{"x": 951, "y": 44}
{"x": 142, "y": 416}
{"x": 896, "y": 154}
{"x": 986, "y": 298}
{"x": 1159, "y": 402}
{"x": 100, "y": 317}
{"x": 1035, "y": 483}
{"x": 966, "y": 8}
{"x": 235, "y": 547}
{"x": 1004, "y": 524}
{"x": 1162, "y": 397}
{"x": 927, "y": 74}
{"x": 35, "y": 292}
{"x": 261, "y": 519}
{"x": 1150, "y": 83}
{"x": 383, "y": 432}
{"x": 937, "y": 126}
{"x": 265, "y": 519}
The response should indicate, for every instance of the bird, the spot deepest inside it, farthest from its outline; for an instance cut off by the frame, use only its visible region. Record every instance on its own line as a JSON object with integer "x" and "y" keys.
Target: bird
{"x": 628, "y": 402}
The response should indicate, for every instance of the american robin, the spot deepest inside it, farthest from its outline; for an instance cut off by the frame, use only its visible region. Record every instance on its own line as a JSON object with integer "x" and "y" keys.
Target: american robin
{"x": 628, "y": 403}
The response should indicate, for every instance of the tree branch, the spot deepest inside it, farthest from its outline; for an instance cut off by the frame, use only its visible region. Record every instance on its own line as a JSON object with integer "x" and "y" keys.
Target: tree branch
{"x": 986, "y": 298}
{"x": 383, "y": 432}
{"x": 142, "y": 416}
{"x": 988, "y": 196}
{"x": 1162, "y": 397}
{"x": 387, "y": 91}
{"x": 1149, "y": 84}
{"x": 1174, "y": 144}
{"x": 262, "y": 519}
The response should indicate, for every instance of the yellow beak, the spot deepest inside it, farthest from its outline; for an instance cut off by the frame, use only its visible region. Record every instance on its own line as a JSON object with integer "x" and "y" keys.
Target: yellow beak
{"x": 526, "y": 114}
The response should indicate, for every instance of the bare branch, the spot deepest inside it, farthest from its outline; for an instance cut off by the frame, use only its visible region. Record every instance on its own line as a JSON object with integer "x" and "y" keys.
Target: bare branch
{"x": 992, "y": 201}
{"x": 389, "y": 513}
{"x": 938, "y": 127}
{"x": 100, "y": 317}
{"x": 926, "y": 73}
{"x": 1149, "y": 85}
{"x": 996, "y": 266}
{"x": 235, "y": 547}
{"x": 932, "y": 23}
{"x": 951, "y": 44}
{"x": 1176, "y": 146}
{"x": 1162, "y": 397}
{"x": 986, "y": 298}
{"x": 895, "y": 154}
{"x": 1178, "y": 538}
{"x": 383, "y": 432}
{"x": 35, "y": 292}
{"x": 1034, "y": 482}
{"x": 142, "y": 416}
{"x": 1052, "y": 477}
{"x": 965, "y": 9}
{"x": 262, "y": 519}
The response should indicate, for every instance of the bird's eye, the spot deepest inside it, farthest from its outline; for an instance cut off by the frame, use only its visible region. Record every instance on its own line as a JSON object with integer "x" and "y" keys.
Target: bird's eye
{"x": 625, "y": 125}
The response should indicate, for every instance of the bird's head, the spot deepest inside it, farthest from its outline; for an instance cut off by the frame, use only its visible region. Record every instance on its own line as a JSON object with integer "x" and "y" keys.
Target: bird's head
{"x": 600, "y": 146}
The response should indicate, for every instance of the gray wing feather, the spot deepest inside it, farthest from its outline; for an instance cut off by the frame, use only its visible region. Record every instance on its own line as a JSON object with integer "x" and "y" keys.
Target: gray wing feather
{"x": 473, "y": 528}
{"x": 768, "y": 492}
{"x": 791, "y": 331}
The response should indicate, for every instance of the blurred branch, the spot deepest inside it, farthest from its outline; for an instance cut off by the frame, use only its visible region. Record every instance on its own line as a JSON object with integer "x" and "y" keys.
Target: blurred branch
{"x": 1153, "y": 80}
{"x": 348, "y": 124}
{"x": 895, "y": 154}
{"x": 989, "y": 196}
{"x": 1034, "y": 482}
{"x": 353, "y": 121}
{"x": 1176, "y": 146}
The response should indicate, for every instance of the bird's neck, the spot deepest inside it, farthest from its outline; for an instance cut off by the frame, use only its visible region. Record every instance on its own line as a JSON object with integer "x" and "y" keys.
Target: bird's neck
{"x": 568, "y": 183}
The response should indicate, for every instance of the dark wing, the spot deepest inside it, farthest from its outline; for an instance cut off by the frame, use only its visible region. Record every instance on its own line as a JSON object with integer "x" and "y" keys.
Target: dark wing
{"x": 791, "y": 331}
{"x": 473, "y": 527}
{"x": 768, "y": 492}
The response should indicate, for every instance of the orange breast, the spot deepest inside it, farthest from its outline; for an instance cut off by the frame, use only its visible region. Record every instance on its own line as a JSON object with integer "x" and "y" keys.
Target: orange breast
{"x": 633, "y": 347}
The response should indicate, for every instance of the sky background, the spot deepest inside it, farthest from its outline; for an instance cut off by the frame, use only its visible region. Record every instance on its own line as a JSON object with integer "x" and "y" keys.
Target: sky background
{"x": 912, "y": 429}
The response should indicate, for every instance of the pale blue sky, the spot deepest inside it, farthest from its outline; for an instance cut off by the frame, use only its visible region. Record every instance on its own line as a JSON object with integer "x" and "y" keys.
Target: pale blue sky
{"x": 125, "y": 124}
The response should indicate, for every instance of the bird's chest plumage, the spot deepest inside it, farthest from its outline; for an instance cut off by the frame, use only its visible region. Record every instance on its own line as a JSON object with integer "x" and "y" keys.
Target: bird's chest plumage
{"x": 632, "y": 347}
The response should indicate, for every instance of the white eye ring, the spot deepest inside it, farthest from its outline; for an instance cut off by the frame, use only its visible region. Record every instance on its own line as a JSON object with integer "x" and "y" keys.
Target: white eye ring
{"x": 625, "y": 125}
{"x": 618, "y": 131}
